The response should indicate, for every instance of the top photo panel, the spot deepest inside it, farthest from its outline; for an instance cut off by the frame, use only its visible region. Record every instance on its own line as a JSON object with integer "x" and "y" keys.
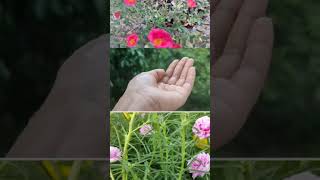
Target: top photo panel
{"x": 160, "y": 23}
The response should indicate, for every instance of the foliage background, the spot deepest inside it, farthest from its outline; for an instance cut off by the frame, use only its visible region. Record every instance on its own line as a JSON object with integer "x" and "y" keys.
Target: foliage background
{"x": 52, "y": 170}
{"x": 285, "y": 121}
{"x": 126, "y": 63}
{"x": 36, "y": 38}
{"x": 262, "y": 170}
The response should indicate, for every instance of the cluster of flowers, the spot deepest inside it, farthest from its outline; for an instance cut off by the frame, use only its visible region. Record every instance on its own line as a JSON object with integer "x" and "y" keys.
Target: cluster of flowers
{"x": 159, "y": 38}
{"x": 199, "y": 165}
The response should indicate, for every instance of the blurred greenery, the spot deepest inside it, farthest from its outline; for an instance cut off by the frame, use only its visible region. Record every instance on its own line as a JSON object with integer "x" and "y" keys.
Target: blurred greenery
{"x": 36, "y": 38}
{"x": 285, "y": 121}
{"x": 52, "y": 170}
{"x": 126, "y": 63}
{"x": 261, "y": 170}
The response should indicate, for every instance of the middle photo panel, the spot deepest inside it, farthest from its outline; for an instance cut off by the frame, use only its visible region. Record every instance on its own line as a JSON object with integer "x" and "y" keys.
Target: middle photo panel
{"x": 160, "y": 79}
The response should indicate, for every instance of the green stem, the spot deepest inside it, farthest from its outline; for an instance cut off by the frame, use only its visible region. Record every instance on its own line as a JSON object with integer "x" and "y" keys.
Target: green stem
{"x": 111, "y": 175}
{"x": 52, "y": 169}
{"x": 183, "y": 145}
{"x": 75, "y": 170}
{"x": 125, "y": 149}
{"x": 167, "y": 155}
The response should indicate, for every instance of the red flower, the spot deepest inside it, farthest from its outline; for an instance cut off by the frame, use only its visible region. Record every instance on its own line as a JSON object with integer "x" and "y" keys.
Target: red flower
{"x": 160, "y": 38}
{"x": 117, "y": 15}
{"x": 130, "y": 2}
{"x": 175, "y": 45}
{"x": 132, "y": 40}
{"x": 192, "y": 3}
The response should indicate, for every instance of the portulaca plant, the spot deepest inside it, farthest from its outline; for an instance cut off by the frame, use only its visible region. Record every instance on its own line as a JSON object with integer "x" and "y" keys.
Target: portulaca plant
{"x": 160, "y": 146}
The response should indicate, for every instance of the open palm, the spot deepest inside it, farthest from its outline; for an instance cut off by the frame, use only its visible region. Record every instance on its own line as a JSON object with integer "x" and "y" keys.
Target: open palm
{"x": 243, "y": 40}
{"x": 165, "y": 90}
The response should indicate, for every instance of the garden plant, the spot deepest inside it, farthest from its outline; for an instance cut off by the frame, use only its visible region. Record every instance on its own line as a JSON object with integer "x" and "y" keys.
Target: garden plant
{"x": 160, "y": 146}
{"x": 160, "y": 23}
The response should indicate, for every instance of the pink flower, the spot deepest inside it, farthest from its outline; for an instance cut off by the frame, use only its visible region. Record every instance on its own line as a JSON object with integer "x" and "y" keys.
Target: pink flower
{"x": 199, "y": 165}
{"x": 192, "y": 3}
{"x": 117, "y": 15}
{"x": 146, "y": 130}
{"x": 175, "y": 45}
{"x": 115, "y": 154}
{"x": 130, "y": 2}
{"x": 160, "y": 38}
{"x": 132, "y": 40}
{"x": 201, "y": 127}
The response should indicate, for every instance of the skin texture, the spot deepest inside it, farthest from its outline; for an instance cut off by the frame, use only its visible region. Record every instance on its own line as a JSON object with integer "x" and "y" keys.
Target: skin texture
{"x": 72, "y": 121}
{"x": 159, "y": 90}
{"x": 242, "y": 40}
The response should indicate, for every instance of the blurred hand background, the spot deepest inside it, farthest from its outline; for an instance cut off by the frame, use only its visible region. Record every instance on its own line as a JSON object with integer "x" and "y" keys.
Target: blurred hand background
{"x": 284, "y": 121}
{"x": 242, "y": 40}
{"x": 37, "y": 37}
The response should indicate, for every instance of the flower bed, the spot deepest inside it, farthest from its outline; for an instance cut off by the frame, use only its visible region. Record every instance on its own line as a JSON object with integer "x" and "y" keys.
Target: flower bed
{"x": 160, "y": 23}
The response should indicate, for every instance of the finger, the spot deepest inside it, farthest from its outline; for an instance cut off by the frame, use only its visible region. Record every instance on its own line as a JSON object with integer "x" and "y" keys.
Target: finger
{"x": 222, "y": 20}
{"x": 252, "y": 72}
{"x": 170, "y": 70}
{"x": 236, "y": 44}
{"x": 158, "y": 74}
{"x": 188, "y": 84}
{"x": 177, "y": 71}
{"x": 184, "y": 72}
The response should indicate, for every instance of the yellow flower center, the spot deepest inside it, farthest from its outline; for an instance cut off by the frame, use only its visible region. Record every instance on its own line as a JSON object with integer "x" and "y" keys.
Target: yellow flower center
{"x": 157, "y": 42}
{"x": 132, "y": 41}
{"x": 131, "y": 1}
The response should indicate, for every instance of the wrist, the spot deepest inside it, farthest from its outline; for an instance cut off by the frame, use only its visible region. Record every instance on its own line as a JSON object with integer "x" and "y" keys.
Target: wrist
{"x": 134, "y": 101}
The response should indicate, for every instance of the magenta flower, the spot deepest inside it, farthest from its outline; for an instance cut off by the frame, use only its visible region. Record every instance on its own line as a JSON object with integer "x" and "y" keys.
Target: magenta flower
{"x": 201, "y": 127}
{"x": 160, "y": 38}
{"x": 192, "y": 3}
{"x": 146, "y": 130}
{"x": 132, "y": 40}
{"x": 130, "y": 2}
{"x": 117, "y": 15}
{"x": 115, "y": 154}
{"x": 199, "y": 165}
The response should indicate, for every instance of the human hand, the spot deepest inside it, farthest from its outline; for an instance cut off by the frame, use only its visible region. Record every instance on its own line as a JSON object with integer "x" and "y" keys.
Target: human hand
{"x": 159, "y": 90}
{"x": 72, "y": 120}
{"x": 243, "y": 40}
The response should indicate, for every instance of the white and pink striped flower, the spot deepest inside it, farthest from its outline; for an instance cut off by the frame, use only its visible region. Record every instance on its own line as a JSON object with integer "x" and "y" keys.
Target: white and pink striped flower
{"x": 201, "y": 127}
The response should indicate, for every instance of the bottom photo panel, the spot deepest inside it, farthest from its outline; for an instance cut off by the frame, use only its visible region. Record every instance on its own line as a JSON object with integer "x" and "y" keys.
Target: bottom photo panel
{"x": 173, "y": 145}
{"x": 266, "y": 170}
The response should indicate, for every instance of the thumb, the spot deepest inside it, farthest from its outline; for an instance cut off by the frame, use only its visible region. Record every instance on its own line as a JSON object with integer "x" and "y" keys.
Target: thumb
{"x": 158, "y": 74}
